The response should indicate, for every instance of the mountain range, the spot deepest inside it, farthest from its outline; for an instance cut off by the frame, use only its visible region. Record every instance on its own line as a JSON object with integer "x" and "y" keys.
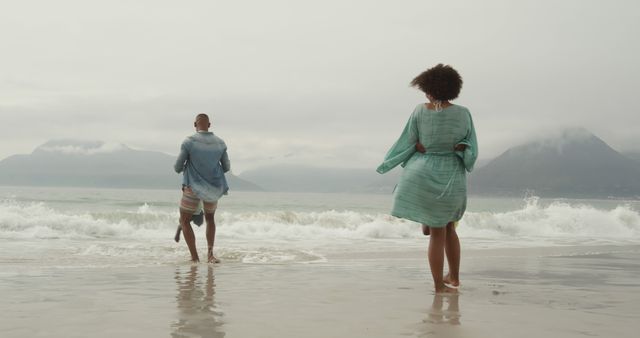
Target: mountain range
{"x": 96, "y": 164}
{"x": 575, "y": 163}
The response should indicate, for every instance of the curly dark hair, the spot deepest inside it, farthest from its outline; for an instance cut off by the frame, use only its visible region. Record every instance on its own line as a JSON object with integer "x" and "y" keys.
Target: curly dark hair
{"x": 441, "y": 82}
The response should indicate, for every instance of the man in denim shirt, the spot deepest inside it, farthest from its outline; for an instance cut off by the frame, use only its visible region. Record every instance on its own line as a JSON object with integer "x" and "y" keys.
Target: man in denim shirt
{"x": 203, "y": 160}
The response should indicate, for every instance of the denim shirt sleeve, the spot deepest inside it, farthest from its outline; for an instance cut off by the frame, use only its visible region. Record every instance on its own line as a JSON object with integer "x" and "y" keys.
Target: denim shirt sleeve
{"x": 183, "y": 157}
{"x": 224, "y": 160}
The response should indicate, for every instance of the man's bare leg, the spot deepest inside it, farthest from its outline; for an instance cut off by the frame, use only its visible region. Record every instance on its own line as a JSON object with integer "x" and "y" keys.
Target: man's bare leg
{"x": 436, "y": 258}
{"x": 189, "y": 237}
{"x": 211, "y": 237}
{"x": 452, "y": 249}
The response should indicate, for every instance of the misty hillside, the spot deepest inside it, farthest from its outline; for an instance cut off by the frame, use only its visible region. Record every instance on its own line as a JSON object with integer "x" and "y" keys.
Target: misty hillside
{"x": 315, "y": 179}
{"x": 633, "y": 155}
{"x": 576, "y": 163}
{"x": 96, "y": 164}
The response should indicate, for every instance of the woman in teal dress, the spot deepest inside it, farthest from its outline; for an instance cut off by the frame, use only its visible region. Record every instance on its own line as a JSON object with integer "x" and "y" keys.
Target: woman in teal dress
{"x": 437, "y": 148}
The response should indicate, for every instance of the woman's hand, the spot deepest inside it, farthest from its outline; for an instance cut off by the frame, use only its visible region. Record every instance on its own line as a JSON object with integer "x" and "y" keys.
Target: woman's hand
{"x": 420, "y": 148}
{"x": 460, "y": 147}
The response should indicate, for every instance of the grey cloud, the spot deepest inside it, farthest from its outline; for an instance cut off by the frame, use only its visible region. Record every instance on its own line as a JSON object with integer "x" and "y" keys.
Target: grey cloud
{"x": 324, "y": 81}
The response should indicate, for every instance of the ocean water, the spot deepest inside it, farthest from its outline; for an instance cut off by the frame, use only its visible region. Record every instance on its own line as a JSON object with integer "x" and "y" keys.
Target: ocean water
{"x": 77, "y": 227}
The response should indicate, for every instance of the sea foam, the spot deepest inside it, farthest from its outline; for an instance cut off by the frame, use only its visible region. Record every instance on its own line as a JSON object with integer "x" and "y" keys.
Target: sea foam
{"x": 557, "y": 221}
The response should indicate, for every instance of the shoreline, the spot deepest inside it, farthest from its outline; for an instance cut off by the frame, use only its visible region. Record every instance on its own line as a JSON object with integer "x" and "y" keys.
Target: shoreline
{"x": 568, "y": 292}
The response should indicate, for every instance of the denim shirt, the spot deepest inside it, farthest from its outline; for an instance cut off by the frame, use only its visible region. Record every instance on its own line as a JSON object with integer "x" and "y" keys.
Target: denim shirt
{"x": 203, "y": 160}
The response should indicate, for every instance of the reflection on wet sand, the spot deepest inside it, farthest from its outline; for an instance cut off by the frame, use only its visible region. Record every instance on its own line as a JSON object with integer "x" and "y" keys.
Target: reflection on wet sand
{"x": 450, "y": 316}
{"x": 197, "y": 313}
{"x": 442, "y": 318}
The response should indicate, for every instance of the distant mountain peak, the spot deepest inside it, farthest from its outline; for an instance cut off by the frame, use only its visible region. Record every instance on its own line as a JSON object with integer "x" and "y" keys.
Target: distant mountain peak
{"x": 80, "y": 147}
{"x": 576, "y": 133}
{"x": 570, "y": 135}
{"x": 571, "y": 162}
{"x": 566, "y": 140}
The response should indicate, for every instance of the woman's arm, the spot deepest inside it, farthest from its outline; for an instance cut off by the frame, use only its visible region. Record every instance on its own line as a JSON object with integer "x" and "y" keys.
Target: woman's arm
{"x": 403, "y": 149}
{"x": 469, "y": 153}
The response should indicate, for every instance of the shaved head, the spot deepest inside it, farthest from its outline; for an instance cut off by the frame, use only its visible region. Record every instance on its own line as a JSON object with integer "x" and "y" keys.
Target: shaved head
{"x": 202, "y": 116}
{"x": 202, "y": 122}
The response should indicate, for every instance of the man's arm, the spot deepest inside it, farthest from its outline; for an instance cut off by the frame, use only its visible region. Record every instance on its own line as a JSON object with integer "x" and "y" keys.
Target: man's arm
{"x": 224, "y": 160}
{"x": 182, "y": 158}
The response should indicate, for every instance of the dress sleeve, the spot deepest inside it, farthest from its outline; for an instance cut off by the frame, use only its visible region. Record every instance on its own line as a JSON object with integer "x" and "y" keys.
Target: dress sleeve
{"x": 470, "y": 153}
{"x": 404, "y": 147}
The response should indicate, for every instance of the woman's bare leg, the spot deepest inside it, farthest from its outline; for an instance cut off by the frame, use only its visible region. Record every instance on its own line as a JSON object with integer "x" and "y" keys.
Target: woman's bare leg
{"x": 436, "y": 258}
{"x": 189, "y": 237}
{"x": 425, "y": 230}
{"x": 452, "y": 249}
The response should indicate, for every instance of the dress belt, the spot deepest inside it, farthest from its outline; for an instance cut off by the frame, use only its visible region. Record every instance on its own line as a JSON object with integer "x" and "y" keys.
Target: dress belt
{"x": 452, "y": 178}
{"x": 440, "y": 153}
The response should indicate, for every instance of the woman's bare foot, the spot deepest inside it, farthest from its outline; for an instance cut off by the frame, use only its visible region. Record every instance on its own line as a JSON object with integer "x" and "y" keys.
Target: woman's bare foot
{"x": 445, "y": 289}
{"x": 448, "y": 280}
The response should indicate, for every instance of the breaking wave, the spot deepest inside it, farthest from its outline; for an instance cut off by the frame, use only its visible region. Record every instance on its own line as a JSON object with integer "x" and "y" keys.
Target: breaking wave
{"x": 557, "y": 220}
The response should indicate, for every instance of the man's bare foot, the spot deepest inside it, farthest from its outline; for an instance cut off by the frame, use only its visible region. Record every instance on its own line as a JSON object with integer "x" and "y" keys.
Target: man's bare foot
{"x": 212, "y": 258}
{"x": 195, "y": 261}
{"x": 448, "y": 280}
{"x": 445, "y": 289}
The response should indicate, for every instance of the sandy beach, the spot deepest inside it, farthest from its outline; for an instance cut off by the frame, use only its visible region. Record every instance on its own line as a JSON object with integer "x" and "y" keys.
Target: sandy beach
{"x": 528, "y": 292}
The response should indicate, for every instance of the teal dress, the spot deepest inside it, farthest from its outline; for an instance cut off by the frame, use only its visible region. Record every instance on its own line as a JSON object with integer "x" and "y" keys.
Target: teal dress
{"x": 433, "y": 186}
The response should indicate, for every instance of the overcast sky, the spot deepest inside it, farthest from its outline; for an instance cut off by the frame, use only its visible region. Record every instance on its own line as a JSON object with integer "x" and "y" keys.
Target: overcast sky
{"x": 312, "y": 82}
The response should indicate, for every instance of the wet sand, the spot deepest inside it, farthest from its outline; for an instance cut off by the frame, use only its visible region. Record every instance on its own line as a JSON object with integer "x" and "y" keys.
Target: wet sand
{"x": 534, "y": 292}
